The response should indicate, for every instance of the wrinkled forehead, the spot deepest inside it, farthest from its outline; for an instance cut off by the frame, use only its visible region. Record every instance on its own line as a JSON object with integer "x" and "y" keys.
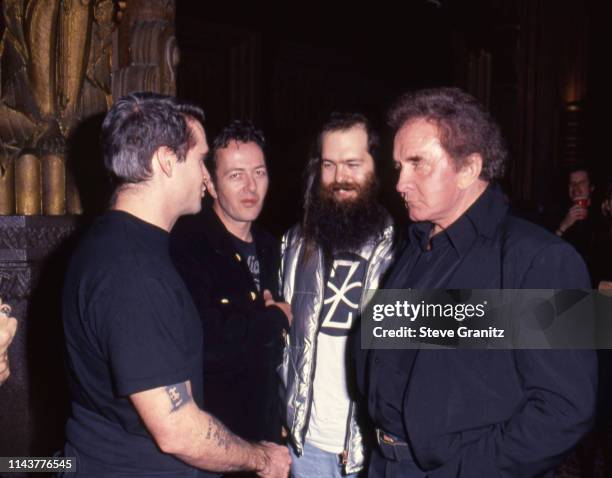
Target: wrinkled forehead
{"x": 416, "y": 138}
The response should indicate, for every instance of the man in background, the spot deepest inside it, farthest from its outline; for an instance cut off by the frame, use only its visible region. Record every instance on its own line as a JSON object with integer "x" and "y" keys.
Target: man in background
{"x": 578, "y": 225}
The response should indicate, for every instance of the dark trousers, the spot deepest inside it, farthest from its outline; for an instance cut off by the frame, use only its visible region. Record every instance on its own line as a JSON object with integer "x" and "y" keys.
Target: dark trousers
{"x": 390, "y": 466}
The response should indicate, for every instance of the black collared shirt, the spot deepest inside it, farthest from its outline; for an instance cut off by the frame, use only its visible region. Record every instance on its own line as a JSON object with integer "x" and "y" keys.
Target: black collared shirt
{"x": 486, "y": 248}
{"x": 480, "y": 401}
{"x": 426, "y": 263}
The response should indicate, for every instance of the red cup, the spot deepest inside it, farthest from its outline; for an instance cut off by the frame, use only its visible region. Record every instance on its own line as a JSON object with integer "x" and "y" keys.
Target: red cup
{"x": 582, "y": 202}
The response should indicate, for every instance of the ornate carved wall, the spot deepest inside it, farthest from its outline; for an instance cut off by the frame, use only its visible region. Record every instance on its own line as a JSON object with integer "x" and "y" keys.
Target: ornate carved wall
{"x": 145, "y": 50}
{"x": 62, "y": 62}
{"x": 55, "y": 71}
{"x": 34, "y": 400}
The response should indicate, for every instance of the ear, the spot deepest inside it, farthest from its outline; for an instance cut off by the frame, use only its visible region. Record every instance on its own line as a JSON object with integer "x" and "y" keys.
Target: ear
{"x": 210, "y": 187}
{"x": 470, "y": 171}
{"x": 164, "y": 159}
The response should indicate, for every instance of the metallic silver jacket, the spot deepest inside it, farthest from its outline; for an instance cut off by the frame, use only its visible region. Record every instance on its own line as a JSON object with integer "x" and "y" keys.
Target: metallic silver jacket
{"x": 302, "y": 285}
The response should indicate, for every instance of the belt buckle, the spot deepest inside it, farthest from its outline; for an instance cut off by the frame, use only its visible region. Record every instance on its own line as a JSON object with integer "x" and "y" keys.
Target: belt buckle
{"x": 383, "y": 439}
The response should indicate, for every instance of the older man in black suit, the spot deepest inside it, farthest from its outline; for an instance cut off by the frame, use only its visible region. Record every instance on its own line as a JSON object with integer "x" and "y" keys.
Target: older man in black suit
{"x": 471, "y": 413}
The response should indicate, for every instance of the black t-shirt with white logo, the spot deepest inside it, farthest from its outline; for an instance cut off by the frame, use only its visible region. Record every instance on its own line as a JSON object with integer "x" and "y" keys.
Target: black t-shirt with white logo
{"x": 249, "y": 253}
{"x": 330, "y": 397}
{"x": 342, "y": 293}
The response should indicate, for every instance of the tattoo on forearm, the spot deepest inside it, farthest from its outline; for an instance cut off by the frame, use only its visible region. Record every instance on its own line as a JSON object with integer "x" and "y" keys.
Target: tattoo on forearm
{"x": 178, "y": 394}
{"x": 222, "y": 437}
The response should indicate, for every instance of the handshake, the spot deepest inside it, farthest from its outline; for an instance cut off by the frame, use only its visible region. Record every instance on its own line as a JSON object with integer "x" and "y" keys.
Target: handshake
{"x": 8, "y": 327}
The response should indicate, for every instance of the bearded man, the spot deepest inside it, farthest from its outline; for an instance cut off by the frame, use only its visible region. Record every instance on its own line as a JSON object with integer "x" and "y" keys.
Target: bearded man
{"x": 342, "y": 248}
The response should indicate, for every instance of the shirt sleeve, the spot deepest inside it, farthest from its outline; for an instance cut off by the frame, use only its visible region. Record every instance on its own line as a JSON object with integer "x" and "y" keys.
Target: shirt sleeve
{"x": 142, "y": 329}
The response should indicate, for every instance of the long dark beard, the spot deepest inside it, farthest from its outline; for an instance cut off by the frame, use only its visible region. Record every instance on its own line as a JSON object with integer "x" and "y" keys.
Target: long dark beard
{"x": 345, "y": 225}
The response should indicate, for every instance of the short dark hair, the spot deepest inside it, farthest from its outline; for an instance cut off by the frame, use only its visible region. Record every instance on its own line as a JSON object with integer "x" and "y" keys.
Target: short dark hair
{"x": 139, "y": 124}
{"x": 240, "y": 131}
{"x": 464, "y": 127}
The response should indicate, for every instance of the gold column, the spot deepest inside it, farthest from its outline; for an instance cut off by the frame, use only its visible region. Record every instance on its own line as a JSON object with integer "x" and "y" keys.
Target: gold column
{"x": 55, "y": 65}
{"x": 28, "y": 185}
{"x": 40, "y": 27}
{"x": 53, "y": 185}
{"x": 7, "y": 187}
{"x": 75, "y": 25}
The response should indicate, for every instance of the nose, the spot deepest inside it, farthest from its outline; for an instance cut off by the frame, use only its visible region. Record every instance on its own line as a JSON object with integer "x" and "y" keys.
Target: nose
{"x": 250, "y": 184}
{"x": 404, "y": 179}
{"x": 574, "y": 190}
{"x": 341, "y": 173}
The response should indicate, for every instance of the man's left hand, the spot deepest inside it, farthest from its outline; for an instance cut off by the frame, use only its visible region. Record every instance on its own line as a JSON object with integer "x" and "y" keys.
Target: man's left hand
{"x": 284, "y": 306}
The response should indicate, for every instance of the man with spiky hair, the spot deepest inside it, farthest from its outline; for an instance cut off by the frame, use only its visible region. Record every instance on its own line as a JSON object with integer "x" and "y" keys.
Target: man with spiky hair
{"x": 230, "y": 266}
{"x": 133, "y": 335}
{"x": 341, "y": 248}
{"x": 473, "y": 412}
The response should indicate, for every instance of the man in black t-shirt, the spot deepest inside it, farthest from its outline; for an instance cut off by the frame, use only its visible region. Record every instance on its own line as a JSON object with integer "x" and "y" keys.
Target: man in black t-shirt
{"x": 133, "y": 337}
{"x": 230, "y": 266}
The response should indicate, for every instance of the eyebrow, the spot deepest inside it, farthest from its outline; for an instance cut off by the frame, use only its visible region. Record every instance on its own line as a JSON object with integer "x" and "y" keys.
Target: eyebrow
{"x": 414, "y": 157}
{"x": 348, "y": 160}
{"x": 233, "y": 170}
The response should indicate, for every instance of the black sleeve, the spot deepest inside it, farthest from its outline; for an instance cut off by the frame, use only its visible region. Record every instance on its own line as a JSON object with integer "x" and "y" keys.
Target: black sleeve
{"x": 559, "y": 387}
{"x": 141, "y": 325}
{"x": 229, "y": 328}
{"x": 268, "y": 324}
{"x": 271, "y": 264}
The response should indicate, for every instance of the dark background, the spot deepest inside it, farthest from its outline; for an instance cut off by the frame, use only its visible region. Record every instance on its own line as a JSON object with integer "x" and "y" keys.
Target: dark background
{"x": 538, "y": 65}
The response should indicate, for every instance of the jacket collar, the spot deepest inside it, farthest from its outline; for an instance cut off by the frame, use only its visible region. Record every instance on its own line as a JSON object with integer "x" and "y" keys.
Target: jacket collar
{"x": 218, "y": 235}
{"x": 482, "y": 219}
